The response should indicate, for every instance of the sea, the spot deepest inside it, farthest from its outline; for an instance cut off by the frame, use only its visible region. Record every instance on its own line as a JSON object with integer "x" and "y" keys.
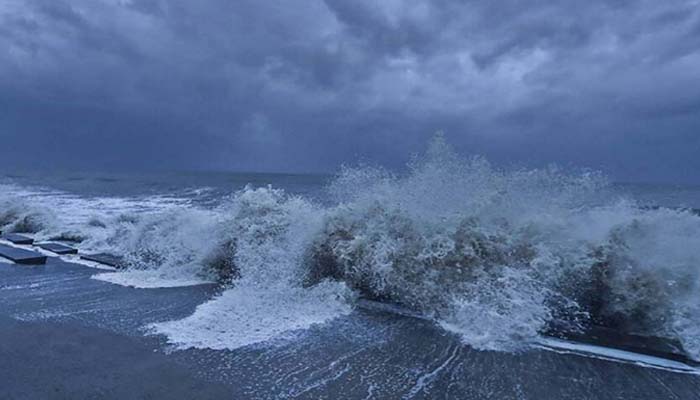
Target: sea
{"x": 498, "y": 257}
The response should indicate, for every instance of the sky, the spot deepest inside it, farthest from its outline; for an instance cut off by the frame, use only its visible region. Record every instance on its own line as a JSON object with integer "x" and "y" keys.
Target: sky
{"x": 308, "y": 85}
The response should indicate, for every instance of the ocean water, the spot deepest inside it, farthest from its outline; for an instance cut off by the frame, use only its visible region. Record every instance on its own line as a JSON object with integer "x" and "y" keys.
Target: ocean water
{"x": 499, "y": 257}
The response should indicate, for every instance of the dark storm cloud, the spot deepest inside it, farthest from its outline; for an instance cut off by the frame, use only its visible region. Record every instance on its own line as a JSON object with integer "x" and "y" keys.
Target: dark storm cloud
{"x": 307, "y": 85}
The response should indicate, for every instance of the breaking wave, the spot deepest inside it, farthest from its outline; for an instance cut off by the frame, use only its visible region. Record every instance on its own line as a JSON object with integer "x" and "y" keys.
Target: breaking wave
{"x": 499, "y": 257}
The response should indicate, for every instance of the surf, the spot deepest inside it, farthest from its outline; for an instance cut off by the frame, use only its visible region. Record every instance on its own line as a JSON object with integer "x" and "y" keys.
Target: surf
{"x": 500, "y": 257}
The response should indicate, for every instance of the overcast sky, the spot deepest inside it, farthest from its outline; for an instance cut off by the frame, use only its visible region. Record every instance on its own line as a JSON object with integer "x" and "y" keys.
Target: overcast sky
{"x": 307, "y": 85}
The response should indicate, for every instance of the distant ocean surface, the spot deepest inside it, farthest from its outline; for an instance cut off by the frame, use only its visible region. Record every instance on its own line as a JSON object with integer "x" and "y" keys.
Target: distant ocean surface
{"x": 210, "y": 188}
{"x": 203, "y": 188}
{"x": 498, "y": 257}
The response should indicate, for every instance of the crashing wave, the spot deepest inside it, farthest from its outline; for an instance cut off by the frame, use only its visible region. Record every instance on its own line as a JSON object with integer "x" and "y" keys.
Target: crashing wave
{"x": 16, "y": 215}
{"x": 266, "y": 240}
{"x": 500, "y": 257}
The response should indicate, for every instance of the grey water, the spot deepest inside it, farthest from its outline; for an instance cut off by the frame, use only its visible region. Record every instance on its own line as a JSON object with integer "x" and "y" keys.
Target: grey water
{"x": 202, "y": 187}
{"x": 210, "y": 187}
{"x": 95, "y": 333}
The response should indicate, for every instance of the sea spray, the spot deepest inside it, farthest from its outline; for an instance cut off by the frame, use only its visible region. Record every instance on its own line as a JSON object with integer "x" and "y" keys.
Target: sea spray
{"x": 97, "y": 222}
{"x": 19, "y": 215}
{"x": 460, "y": 240}
{"x": 269, "y": 233}
{"x": 501, "y": 257}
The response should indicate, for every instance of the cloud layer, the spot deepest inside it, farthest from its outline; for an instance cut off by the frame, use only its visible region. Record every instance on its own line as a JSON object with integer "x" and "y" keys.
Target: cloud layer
{"x": 305, "y": 86}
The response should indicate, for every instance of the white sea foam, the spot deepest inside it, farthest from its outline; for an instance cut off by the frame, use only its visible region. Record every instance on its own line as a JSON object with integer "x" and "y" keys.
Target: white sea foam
{"x": 150, "y": 279}
{"x": 52, "y": 213}
{"x": 616, "y": 355}
{"x": 272, "y": 232}
{"x": 247, "y": 315}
